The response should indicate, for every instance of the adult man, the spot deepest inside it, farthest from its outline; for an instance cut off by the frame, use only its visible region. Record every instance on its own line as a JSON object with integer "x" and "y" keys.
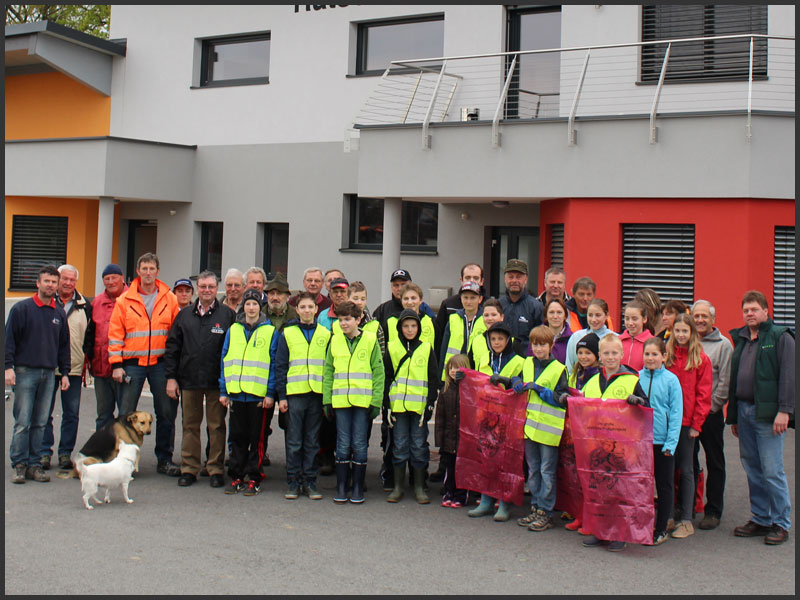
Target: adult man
{"x": 583, "y": 291}
{"x": 338, "y": 295}
{"x": 469, "y": 272}
{"x": 234, "y": 286}
{"x": 256, "y": 279}
{"x": 183, "y": 290}
{"x": 277, "y": 307}
{"x": 37, "y": 342}
{"x": 330, "y": 275}
{"x": 522, "y": 312}
{"x": 393, "y": 306}
{"x": 719, "y": 350}
{"x": 81, "y": 337}
{"x": 312, "y": 283}
{"x": 761, "y": 404}
{"x": 555, "y": 281}
{"x": 192, "y": 366}
{"x": 137, "y": 338}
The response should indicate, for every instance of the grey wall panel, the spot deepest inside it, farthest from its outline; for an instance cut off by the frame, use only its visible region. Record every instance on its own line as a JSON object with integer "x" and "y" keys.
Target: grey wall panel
{"x": 73, "y": 169}
{"x": 148, "y": 171}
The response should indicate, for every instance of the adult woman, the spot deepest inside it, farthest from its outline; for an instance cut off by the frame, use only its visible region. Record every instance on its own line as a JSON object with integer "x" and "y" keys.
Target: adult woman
{"x": 596, "y": 316}
{"x": 556, "y": 318}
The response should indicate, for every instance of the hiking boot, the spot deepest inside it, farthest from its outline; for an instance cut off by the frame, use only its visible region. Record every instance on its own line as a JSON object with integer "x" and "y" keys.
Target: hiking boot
{"x": 311, "y": 490}
{"x": 253, "y": 488}
{"x": 237, "y": 485}
{"x": 709, "y": 522}
{"x": 64, "y": 462}
{"x": 683, "y": 530}
{"x": 293, "y": 492}
{"x": 168, "y": 468}
{"x": 527, "y": 520}
{"x": 751, "y": 529}
{"x": 616, "y": 546}
{"x": 19, "y": 473}
{"x": 778, "y": 535}
{"x": 543, "y": 522}
{"x": 37, "y": 474}
{"x": 46, "y": 462}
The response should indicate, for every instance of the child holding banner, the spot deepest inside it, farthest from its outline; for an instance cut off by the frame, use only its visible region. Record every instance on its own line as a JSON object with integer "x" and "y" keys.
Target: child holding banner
{"x": 545, "y": 379}
{"x": 587, "y": 364}
{"x": 666, "y": 400}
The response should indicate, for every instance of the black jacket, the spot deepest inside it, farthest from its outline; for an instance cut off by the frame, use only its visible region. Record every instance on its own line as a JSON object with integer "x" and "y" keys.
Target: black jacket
{"x": 194, "y": 346}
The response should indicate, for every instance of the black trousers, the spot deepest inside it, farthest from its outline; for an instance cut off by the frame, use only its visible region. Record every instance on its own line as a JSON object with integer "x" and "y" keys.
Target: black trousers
{"x": 247, "y": 444}
{"x": 664, "y": 473}
{"x": 684, "y": 457}
{"x": 711, "y": 437}
{"x": 451, "y": 492}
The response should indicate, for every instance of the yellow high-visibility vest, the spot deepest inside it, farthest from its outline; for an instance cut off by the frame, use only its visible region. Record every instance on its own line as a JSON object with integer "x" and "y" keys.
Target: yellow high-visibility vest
{"x": 544, "y": 423}
{"x": 427, "y": 331}
{"x": 409, "y": 390}
{"x": 622, "y": 387}
{"x": 511, "y": 369}
{"x": 306, "y": 359}
{"x": 458, "y": 342}
{"x": 247, "y": 362}
{"x": 352, "y": 373}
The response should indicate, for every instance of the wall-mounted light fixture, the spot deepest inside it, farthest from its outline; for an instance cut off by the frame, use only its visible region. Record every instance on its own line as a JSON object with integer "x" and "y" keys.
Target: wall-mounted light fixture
{"x": 500, "y": 203}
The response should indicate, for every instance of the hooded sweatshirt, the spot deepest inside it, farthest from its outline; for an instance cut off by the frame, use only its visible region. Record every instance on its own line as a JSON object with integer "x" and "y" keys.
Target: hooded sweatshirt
{"x": 410, "y": 347}
{"x": 498, "y": 360}
{"x": 249, "y": 330}
{"x": 666, "y": 399}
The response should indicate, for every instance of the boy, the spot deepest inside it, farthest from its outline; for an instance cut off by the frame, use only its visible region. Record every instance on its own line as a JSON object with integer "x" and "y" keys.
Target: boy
{"x": 463, "y": 325}
{"x": 502, "y": 362}
{"x": 352, "y": 387}
{"x": 299, "y": 363}
{"x": 411, "y": 299}
{"x": 247, "y": 386}
{"x": 545, "y": 379}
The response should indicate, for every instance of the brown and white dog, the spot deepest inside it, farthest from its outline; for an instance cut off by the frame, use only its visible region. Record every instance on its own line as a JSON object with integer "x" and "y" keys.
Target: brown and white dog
{"x": 103, "y": 445}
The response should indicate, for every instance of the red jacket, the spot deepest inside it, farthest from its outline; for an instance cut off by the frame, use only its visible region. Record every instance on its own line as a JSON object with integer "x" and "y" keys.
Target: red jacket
{"x": 102, "y": 306}
{"x": 633, "y": 349}
{"x": 696, "y": 386}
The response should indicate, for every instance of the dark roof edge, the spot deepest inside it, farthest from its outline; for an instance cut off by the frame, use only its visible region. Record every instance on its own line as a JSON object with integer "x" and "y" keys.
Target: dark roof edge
{"x": 102, "y": 138}
{"x": 117, "y": 47}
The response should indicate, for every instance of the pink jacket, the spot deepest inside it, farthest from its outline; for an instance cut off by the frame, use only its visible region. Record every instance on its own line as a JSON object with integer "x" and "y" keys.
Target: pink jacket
{"x": 696, "y": 386}
{"x": 102, "y": 306}
{"x": 633, "y": 349}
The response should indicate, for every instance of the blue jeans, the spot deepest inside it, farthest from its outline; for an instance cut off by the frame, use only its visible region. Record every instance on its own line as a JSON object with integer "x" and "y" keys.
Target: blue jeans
{"x": 166, "y": 408}
{"x": 32, "y": 393}
{"x": 761, "y": 452}
{"x": 410, "y": 441}
{"x": 542, "y": 463}
{"x": 352, "y": 424}
{"x": 70, "y": 405}
{"x": 302, "y": 437}
{"x": 109, "y": 396}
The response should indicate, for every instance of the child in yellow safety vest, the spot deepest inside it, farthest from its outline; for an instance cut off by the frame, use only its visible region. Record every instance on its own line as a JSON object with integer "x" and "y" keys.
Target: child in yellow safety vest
{"x": 545, "y": 380}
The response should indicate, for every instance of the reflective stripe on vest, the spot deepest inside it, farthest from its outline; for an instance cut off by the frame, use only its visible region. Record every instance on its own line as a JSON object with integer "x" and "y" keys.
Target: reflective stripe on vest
{"x": 427, "y": 332}
{"x": 306, "y": 360}
{"x": 544, "y": 423}
{"x": 620, "y": 388}
{"x": 352, "y": 373}
{"x": 480, "y": 350}
{"x": 409, "y": 390}
{"x": 457, "y": 342}
{"x": 512, "y": 368}
{"x": 246, "y": 364}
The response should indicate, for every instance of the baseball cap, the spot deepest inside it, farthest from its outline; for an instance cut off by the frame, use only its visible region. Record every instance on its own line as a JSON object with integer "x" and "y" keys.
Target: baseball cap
{"x": 516, "y": 264}
{"x": 401, "y": 274}
{"x": 470, "y": 286}
{"x": 186, "y": 282}
{"x": 340, "y": 282}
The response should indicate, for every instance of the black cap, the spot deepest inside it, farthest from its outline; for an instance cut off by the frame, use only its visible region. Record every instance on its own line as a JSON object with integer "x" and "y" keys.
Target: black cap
{"x": 591, "y": 342}
{"x": 401, "y": 274}
{"x": 251, "y": 294}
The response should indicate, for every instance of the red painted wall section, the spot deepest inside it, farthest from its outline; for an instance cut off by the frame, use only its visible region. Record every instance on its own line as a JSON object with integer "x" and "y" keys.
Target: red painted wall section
{"x": 734, "y": 244}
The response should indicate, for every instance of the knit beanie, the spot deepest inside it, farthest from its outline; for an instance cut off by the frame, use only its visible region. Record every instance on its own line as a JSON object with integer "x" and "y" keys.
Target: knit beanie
{"x": 591, "y": 342}
{"x": 112, "y": 269}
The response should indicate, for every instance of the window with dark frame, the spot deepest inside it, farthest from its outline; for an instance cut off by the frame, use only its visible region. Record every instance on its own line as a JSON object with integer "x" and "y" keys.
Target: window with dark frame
{"x": 703, "y": 60}
{"x": 419, "y": 225}
{"x": 35, "y": 242}
{"x": 380, "y": 42}
{"x": 276, "y": 248}
{"x": 211, "y": 247}
{"x": 235, "y": 60}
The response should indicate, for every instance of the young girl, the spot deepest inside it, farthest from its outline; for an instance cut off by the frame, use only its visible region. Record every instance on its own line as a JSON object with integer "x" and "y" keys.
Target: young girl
{"x": 652, "y": 301}
{"x": 637, "y": 331}
{"x": 596, "y": 315}
{"x": 686, "y": 359}
{"x": 669, "y": 311}
{"x": 446, "y": 431}
{"x": 586, "y": 364}
{"x": 666, "y": 399}
{"x": 556, "y": 316}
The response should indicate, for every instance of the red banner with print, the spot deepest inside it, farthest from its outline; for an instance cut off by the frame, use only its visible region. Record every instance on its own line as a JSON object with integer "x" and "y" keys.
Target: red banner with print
{"x": 490, "y": 445}
{"x": 614, "y": 456}
{"x": 569, "y": 496}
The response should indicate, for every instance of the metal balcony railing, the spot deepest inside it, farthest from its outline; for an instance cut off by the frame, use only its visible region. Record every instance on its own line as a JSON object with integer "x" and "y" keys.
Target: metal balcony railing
{"x": 688, "y": 76}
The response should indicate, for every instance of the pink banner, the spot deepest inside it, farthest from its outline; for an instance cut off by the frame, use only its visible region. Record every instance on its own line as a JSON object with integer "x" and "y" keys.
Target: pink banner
{"x": 569, "y": 496}
{"x": 490, "y": 446}
{"x": 614, "y": 456}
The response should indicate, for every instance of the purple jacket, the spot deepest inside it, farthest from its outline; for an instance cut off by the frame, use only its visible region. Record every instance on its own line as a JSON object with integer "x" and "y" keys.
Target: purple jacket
{"x": 559, "y": 351}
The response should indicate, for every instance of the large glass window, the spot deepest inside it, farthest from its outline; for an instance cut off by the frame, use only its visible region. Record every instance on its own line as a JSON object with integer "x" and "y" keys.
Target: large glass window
{"x": 276, "y": 248}
{"x": 703, "y": 60}
{"x": 211, "y": 247}
{"x": 419, "y": 225}
{"x": 380, "y": 42}
{"x": 239, "y": 60}
{"x": 35, "y": 242}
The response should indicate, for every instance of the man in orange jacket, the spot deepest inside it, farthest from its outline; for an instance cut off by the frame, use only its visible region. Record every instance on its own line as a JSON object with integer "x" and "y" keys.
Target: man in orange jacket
{"x": 137, "y": 338}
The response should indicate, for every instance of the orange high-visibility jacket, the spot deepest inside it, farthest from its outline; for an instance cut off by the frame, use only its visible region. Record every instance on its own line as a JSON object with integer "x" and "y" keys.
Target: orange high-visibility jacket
{"x": 134, "y": 334}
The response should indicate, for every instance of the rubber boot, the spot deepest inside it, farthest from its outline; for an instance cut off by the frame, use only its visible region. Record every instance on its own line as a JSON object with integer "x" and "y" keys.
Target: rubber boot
{"x": 484, "y": 508}
{"x": 342, "y": 470}
{"x": 359, "y": 473}
{"x": 419, "y": 490}
{"x": 502, "y": 512}
{"x": 399, "y": 483}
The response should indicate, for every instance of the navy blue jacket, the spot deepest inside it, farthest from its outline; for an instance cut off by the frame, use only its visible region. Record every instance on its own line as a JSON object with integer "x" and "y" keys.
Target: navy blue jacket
{"x": 37, "y": 336}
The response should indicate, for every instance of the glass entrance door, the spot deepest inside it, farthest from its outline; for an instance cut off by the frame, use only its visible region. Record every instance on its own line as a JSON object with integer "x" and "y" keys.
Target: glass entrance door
{"x": 514, "y": 242}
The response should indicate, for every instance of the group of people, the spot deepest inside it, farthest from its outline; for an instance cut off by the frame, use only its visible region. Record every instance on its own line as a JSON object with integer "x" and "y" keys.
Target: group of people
{"x": 331, "y": 367}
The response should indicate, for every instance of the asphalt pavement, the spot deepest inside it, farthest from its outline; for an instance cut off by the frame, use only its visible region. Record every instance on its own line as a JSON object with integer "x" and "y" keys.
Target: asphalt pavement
{"x": 199, "y": 541}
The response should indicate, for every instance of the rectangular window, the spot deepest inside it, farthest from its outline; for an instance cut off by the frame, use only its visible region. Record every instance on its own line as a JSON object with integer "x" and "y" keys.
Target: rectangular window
{"x": 660, "y": 257}
{"x": 211, "y": 247}
{"x": 35, "y": 242}
{"x": 703, "y": 60}
{"x": 235, "y": 60}
{"x": 276, "y": 248}
{"x": 419, "y": 225}
{"x": 380, "y": 42}
{"x": 557, "y": 245}
{"x": 783, "y": 293}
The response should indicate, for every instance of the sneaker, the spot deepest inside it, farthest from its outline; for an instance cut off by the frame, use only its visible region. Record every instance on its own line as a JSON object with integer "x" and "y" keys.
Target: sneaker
{"x": 543, "y": 522}
{"x": 527, "y": 520}
{"x": 19, "y": 473}
{"x": 237, "y": 485}
{"x": 751, "y": 529}
{"x": 37, "y": 474}
{"x": 64, "y": 462}
{"x": 293, "y": 492}
{"x": 683, "y": 530}
{"x": 253, "y": 488}
{"x": 447, "y": 503}
{"x": 709, "y": 522}
{"x": 593, "y": 542}
{"x": 566, "y": 516}
{"x": 778, "y": 535}
{"x": 456, "y": 504}
{"x": 46, "y": 462}
{"x": 573, "y": 525}
{"x": 583, "y": 531}
{"x": 168, "y": 468}
{"x": 312, "y": 491}
{"x": 616, "y": 546}
{"x": 659, "y": 537}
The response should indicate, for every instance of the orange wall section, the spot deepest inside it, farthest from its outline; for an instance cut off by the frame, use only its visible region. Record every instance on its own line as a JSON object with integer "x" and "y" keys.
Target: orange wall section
{"x": 51, "y": 105}
{"x": 81, "y": 234}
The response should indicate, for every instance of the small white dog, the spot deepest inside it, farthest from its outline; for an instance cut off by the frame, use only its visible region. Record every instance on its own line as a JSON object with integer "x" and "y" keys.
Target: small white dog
{"x": 118, "y": 472}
